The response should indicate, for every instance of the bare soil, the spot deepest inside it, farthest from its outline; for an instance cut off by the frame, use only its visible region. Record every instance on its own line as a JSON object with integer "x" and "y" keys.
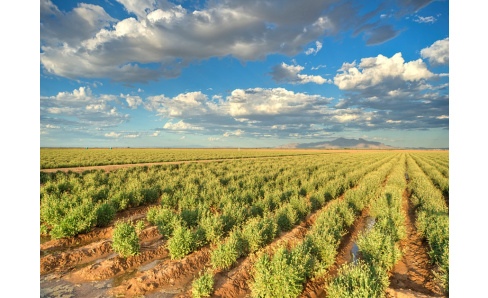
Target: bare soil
{"x": 414, "y": 272}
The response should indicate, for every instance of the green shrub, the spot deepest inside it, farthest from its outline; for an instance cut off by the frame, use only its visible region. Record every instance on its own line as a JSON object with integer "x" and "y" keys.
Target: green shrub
{"x": 378, "y": 249}
{"x": 214, "y": 227}
{"x": 168, "y": 201}
{"x": 140, "y": 225}
{"x": 203, "y": 285}
{"x": 80, "y": 219}
{"x": 227, "y": 253}
{"x": 125, "y": 240}
{"x": 167, "y": 221}
{"x": 151, "y": 215}
{"x": 105, "y": 213}
{"x": 358, "y": 280}
{"x": 182, "y": 243}
{"x": 259, "y": 232}
{"x": 284, "y": 274}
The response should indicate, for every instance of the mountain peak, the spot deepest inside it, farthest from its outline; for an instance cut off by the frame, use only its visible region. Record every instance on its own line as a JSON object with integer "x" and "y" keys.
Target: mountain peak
{"x": 339, "y": 143}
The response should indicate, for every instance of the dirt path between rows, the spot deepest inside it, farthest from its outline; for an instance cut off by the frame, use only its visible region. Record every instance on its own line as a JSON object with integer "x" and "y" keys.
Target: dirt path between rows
{"x": 316, "y": 287}
{"x": 96, "y": 234}
{"x": 412, "y": 276}
{"x": 108, "y": 168}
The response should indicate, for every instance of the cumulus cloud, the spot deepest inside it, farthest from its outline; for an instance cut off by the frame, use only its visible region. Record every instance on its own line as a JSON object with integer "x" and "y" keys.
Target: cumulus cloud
{"x": 180, "y": 126}
{"x": 399, "y": 91}
{"x": 311, "y": 51}
{"x": 164, "y": 37}
{"x": 437, "y": 53}
{"x": 83, "y": 22}
{"x": 284, "y": 73}
{"x": 235, "y": 133}
{"x": 112, "y": 135}
{"x": 132, "y": 101}
{"x": 82, "y": 108}
{"x": 377, "y": 70}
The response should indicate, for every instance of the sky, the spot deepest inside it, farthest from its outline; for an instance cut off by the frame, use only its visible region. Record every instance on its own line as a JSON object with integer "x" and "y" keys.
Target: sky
{"x": 235, "y": 73}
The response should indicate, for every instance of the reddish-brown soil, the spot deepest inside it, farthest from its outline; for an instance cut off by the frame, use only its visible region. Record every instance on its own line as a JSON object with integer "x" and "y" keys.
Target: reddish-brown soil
{"x": 66, "y": 260}
{"x": 315, "y": 287}
{"x": 414, "y": 271}
{"x": 170, "y": 275}
{"x": 97, "y": 234}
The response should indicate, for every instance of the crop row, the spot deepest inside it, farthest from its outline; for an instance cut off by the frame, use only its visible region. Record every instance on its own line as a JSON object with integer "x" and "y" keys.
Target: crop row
{"x": 284, "y": 273}
{"x": 262, "y": 218}
{"x": 433, "y": 173}
{"x": 285, "y": 217}
{"x": 438, "y": 160}
{"x": 75, "y": 203}
{"x": 378, "y": 246}
{"x": 432, "y": 217}
{"x": 77, "y": 157}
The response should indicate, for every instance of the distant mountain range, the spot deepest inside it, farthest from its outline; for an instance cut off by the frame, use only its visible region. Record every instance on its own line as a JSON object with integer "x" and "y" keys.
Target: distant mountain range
{"x": 339, "y": 143}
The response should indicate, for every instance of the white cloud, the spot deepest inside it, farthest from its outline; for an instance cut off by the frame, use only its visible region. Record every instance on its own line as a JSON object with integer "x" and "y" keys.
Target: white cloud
{"x": 437, "y": 53}
{"x": 378, "y": 70}
{"x": 319, "y": 67}
{"x": 83, "y": 22}
{"x": 250, "y": 103}
{"x": 87, "y": 42}
{"x": 180, "y": 126}
{"x": 112, "y": 135}
{"x": 156, "y": 133}
{"x": 132, "y": 136}
{"x": 132, "y": 101}
{"x": 212, "y": 139}
{"x": 284, "y": 73}
{"x": 429, "y": 19}
{"x": 310, "y": 51}
{"x": 235, "y": 133}
{"x": 86, "y": 108}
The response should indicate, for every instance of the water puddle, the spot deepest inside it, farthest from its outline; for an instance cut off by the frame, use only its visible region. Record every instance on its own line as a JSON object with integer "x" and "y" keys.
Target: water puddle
{"x": 120, "y": 279}
{"x": 368, "y": 225}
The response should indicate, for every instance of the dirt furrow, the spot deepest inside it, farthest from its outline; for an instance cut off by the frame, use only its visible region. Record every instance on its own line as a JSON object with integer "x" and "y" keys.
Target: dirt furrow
{"x": 117, "y": 265}
{"x": 97, "y": 234}
{"x": 315, "y": 286}
{"x": 66, "y": 260}
{"x": 235, "y": 282}
{"x": 170, "y": 275}
{"x": 414, "y": 272}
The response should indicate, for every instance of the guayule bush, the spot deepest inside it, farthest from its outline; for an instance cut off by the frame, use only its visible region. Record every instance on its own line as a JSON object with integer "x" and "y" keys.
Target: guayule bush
{"x": 182, "y": 243}
{"x": 125, "y": 240}
{"x": 79, "y": 219}
{"x": 214, "y": 227}
{"x": 227, "y": 253}
{"x": 259, "y": 232}
{"x": 167, "y": 221}
{"x": 105, "y": 213}
{"x": 203, "y": 286}
{"x": 358, "y": 280}
{"x": 284, "y": 274}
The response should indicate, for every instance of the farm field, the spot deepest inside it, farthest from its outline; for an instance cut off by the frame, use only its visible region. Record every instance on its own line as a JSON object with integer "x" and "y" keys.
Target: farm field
{"x": 78, "y": 157}
{"x": 308, "y": 224}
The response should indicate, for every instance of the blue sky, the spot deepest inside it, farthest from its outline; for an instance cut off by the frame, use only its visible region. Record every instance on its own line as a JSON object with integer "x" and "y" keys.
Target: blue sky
{"x": 146, "y": 73}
